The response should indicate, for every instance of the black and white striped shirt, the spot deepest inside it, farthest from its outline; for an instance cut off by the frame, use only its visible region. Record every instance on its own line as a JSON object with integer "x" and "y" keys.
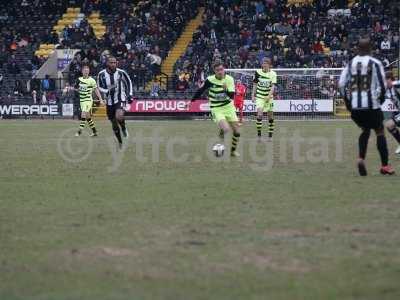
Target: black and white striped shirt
{"x": 363, "y": 81}
{"x": 393, "y": 94}
{"x": 117, "y": 87}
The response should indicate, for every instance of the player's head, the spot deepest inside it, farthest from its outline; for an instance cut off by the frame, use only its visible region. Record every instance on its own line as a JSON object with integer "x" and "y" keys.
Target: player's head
{"x": 266, "y": 63}
{"x": 219, "y": 69}
{"x": 111, "y": 63}
{"x": 85, "y": 70}
{"x": 389, "y": 78}
{"x": 364, "y": 46}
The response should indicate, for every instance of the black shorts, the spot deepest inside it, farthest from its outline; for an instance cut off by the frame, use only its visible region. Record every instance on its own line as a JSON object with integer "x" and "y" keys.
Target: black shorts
{"x": 368, "y": 119}
{"x": 111, "y": 109}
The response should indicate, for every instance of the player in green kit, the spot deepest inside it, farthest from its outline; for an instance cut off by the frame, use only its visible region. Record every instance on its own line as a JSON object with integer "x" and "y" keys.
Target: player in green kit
{"x": 263, "y": 90}
{"x": 85, "y": 86}
{"x": 221, "y": 91}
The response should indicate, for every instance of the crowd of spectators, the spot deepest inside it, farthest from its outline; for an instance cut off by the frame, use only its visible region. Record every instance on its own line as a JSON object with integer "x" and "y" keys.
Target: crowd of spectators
{"x": 140, "y": 38}
{"x": 24, "y": 24}
{"x": 322, "y": 34}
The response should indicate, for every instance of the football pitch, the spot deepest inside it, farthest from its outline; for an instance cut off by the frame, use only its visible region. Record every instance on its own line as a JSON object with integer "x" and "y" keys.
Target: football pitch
{"x": 165, "y": 219}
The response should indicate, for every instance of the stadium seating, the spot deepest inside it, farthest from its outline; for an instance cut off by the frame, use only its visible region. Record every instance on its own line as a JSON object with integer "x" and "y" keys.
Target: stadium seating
{"x": 293, "y": 33}
{"x": 23, "y": 28}
{"x": 140, "y": 36}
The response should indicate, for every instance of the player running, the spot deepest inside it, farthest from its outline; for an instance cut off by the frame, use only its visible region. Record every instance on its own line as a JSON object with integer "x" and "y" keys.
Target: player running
{"x": 393, "y": 93}
{"x": 85, "y": 86}
{"x": 362, "y": 85}
{"x": 240, "y": 93}
{"x": 263, "y": 90}
{"x": 221, "y": 91}
{"x": 117, "y": 86}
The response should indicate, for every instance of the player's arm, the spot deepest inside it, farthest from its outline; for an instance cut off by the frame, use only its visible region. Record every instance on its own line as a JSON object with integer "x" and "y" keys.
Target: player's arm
{"x": 75, "y": 87}
{"x": 380, "y": 73}
{"x": 128, "y": 85}
{"x": 273, "y": 85}
{"x": 98, "y": 94}
{"x": 254, "y": 90}
{"x": 101, "y": 83}
{"x": 96, "y": 90}
{"x": 230, "y": 88}
{"x": 201, "y": 90}
{"x": 343, "y": 83}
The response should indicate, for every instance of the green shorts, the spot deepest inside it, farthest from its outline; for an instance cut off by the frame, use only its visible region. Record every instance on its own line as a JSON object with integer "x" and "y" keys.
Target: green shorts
{"x": 226, "y": 112}
{"x": 86, "y": 106}
{"x": 265, "y": 105}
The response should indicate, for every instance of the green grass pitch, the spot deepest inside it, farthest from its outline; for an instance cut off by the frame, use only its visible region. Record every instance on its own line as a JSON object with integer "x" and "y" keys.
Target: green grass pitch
{"x": 145, "y": 224}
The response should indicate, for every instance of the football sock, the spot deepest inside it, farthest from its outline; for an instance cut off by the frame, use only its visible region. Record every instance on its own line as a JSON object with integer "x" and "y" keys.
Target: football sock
{"x": 91, "y": 124}
{"x": 259, "y": 126}
{"x": 82, "y": 124}
{"x": 383, "y": 149}
{"x": 271, "y": 127}
{"x": 235, "y": 141}
{"x": 363, "y": 143}
{"x": 117, "y": 131}
{"x": 122, "y": 124}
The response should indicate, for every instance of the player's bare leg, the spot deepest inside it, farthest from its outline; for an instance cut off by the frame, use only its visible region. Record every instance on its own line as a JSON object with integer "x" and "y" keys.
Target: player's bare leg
{"x": 224, "y": 129}
{"x": 235, "y": 138}
{"x": 120, "y": 115}
{"x": 394, "y": 131}
{"x": 271, "y": 124}
{"x": 260, "y": 113}
{"x": 221, "y": 134}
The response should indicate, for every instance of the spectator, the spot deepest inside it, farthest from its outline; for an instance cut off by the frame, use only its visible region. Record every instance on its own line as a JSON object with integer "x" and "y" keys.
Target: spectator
{"x": 44, "y": 98}
{"x": 46, "y": 84}
{"x": 34, "y": 96}
{"x": 385, "y": 44}
{"x": 155, "y": 89}
{"x": 13, "y": 68}
{"x": 18, "y": 90}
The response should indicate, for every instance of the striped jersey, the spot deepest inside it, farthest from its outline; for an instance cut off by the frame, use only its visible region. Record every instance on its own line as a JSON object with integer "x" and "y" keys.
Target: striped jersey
{"x": 264, "y": 82}
{"x": 116, "y": 86}
{"x": 362, "y": 82}
{"x": 393, "y": 93}
{"x": 85, "y": 88}
{"x": 220, "y": 91}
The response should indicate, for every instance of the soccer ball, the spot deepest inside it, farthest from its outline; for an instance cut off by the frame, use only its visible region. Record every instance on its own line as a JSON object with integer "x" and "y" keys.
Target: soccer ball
{"x": 218, "y": 150}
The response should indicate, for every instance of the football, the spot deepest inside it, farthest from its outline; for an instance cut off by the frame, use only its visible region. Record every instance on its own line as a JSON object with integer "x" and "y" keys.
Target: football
{"x": 218, "y": 150}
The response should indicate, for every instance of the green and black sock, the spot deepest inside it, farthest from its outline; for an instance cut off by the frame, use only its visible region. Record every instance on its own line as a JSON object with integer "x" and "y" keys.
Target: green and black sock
{"x": 91, "y": 124}
{"x": 271, "y": 127}
{"x": 82, "y": 125}
{"x": 235, "y": 141}
{"x": 259, "y": 126}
